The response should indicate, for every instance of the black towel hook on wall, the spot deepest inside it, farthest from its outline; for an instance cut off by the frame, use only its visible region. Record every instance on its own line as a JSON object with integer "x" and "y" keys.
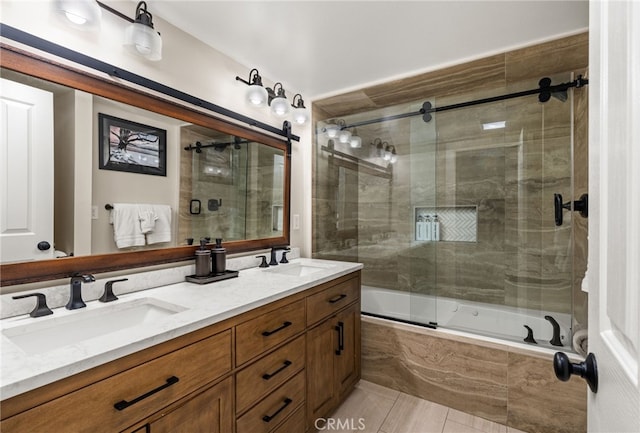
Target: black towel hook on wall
{"x": 581, "y": 206}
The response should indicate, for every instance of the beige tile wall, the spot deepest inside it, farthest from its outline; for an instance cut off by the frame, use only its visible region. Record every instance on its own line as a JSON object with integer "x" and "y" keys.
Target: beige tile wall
{"x": 495, "y": 382}
{"x": 521, "y": 259}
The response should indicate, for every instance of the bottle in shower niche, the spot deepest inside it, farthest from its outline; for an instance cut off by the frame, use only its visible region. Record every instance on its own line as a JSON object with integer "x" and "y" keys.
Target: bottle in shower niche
{"x": 427, "y": 228}
{"x": 435, "y": 228}
{"x": 420, "y": 228}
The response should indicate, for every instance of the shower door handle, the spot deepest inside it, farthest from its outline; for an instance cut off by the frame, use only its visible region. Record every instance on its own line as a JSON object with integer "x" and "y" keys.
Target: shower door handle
{"x": 581, "y": 206}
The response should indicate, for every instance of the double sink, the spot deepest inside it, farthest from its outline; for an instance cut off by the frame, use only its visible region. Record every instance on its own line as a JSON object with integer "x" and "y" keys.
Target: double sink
{"x": 66, "y": 328}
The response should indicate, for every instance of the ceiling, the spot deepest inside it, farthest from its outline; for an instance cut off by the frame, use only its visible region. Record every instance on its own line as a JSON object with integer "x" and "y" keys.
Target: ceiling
{"x": 325, "y": 47}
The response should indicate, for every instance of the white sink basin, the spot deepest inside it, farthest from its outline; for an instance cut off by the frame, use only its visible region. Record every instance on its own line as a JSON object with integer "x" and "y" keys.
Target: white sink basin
{"x": 298, "y": 269}
{"x": 45, "y": 334}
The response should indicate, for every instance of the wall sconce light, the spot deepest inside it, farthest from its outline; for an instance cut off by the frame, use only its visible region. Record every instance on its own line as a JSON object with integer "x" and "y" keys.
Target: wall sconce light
{"x": 259, "y": 96}
{"x": 82, "y": 14}
{"x": 390, "y": 153}
{"x": 278, "y": 100}
{"x": 331, "y": 129}
{"x": 300, "y": 112}
{"x": 255, "y": 94}
{"x": 355, "y": 142}
{"x": 141, "y": 38}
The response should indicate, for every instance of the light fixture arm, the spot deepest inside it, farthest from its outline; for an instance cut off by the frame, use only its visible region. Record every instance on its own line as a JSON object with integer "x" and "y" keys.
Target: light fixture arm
{"x": 143, "y": 16}
{"x": 300, "y": 103}
{"x": 254, "y": 78}
{"x": 115, "y": 12}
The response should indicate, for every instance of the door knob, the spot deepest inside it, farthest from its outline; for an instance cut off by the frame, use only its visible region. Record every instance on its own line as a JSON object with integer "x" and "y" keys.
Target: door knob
{"x": 588, "y": 369}
{"x": 44, "y": 245}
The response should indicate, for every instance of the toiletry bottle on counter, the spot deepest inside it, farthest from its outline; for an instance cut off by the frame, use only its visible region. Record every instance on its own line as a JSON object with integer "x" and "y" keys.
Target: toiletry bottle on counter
{"x": 218, "y": 258}
{"x": 435, "y": 228}
{"x": 203, "y": 260}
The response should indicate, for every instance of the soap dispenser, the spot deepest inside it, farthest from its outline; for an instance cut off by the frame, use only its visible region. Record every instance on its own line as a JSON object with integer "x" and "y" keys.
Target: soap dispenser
{"x": 218, "y": 258}
{"x": 203, "y": 260}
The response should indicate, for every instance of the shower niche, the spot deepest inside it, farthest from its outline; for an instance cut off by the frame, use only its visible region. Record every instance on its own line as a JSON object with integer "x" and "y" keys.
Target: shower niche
{"x": 445, "y": 223}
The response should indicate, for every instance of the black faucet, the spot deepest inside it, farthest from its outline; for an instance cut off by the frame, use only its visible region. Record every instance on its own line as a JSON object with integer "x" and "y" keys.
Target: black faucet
{"x": 555, "y": 341}
{"x": 108, "y": 295}
{"x": 529, "y": 338}
{"x": 273, "y": 261}
{"x": 75, "y": 298}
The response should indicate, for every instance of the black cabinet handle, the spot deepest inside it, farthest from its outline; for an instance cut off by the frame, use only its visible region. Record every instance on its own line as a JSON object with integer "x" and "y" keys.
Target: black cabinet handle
{"x": 268, "y": 376}
{"x": 284, "y": 325}
{"x": 123, "y": 404}
{"x": 340, "y": 329}
{"x": 337, "y": 298}
{"x": 268, "y": 418}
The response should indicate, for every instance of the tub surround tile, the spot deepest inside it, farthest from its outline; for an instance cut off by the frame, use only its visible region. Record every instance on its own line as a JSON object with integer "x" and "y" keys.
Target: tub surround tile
{"x": 540, "y": 403}
{"x": 459, "y": 375}
{"x": 511, "y": 386}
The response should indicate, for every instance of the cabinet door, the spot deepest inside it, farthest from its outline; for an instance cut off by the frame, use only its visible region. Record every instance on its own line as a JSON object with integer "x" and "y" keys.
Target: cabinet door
{"x": 210, "y": 411}
{"x": 347, "y": 362}
{"x": 321, "y": 348}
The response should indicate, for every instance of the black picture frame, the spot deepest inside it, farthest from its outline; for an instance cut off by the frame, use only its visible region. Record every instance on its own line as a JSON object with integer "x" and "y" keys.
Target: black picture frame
{"x": 132, "y": 147}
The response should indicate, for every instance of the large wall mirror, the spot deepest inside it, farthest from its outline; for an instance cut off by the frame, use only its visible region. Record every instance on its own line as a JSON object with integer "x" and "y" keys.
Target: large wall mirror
{"x": 101, "y": 149}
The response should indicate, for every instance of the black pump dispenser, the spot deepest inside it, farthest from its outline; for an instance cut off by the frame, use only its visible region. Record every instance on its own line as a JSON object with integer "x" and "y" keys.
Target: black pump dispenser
{"x": 218, "y": 258}
{"x": 203, "y": 260}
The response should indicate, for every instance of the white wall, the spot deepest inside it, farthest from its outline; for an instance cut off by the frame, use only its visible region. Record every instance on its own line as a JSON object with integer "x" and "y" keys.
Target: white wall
{"x": 187, "y": 65}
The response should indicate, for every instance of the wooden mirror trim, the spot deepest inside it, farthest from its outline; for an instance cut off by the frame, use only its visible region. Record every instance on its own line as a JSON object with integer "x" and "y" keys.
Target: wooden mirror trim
{"x": 18, "y": 60}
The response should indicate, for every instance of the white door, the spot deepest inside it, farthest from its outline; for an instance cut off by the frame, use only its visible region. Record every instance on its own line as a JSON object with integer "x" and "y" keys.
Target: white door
{"x": 26, "y": 173}
{"x": 614, "y": 217}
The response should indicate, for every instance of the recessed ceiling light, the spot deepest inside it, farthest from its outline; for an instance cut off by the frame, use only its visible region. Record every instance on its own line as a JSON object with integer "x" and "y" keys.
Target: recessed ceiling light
{"x": 494, "y": 125}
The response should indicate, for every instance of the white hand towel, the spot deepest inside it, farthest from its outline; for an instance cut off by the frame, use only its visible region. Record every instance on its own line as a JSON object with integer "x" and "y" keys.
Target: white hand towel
{"x": 162, "y": 229}
{"x": 126, "y": 225}
{"x": 147, "y": 217}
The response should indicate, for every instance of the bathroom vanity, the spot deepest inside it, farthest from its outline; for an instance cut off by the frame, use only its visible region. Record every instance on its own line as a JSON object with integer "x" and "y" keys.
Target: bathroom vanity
{"x": 269, "y": 351}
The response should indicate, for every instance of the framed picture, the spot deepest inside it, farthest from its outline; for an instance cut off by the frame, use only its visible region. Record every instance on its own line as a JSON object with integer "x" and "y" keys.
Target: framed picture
{"x": 132, "y": 147}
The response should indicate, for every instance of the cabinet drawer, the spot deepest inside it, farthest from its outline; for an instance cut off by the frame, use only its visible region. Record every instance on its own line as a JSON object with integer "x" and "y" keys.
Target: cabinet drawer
{"x": 138, "y": 392}
{"x": 266, "y": 331}
{"x": 267, "y": 414}
{"x": 332, "y": 299}
{"x": 268, "y": 373}
{"x": 295, "y": 424}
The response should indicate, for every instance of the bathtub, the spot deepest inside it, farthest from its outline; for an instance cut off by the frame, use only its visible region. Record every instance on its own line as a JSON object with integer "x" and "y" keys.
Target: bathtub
{"x": 502, "y": 323}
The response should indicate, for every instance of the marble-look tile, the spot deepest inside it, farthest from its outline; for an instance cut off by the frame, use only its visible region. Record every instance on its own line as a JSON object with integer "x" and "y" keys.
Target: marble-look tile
{"x": 540, "y": 403}
{"x": 477, "y": 423}
{"x": 412, "y": 414}
{"x": 367, "y": 405}
{"x": 459, "y": 375}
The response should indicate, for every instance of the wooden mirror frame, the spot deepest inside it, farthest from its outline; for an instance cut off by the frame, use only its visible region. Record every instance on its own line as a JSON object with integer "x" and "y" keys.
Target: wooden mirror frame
{"x": 18, "y": 60}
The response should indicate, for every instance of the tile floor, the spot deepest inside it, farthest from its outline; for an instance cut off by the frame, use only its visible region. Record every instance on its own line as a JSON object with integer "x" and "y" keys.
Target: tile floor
{"x": 373, "y": 408}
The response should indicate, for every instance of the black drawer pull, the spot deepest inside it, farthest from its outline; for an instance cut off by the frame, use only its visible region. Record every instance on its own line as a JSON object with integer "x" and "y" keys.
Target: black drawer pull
{"x": 268, "y": 418}
{"x": 340, "y": 329}
{"x": 284, "y": 325}
{"x": 123, "y": 404}
{"x": 337, "y": 298}
{"x": 268, "y": 376}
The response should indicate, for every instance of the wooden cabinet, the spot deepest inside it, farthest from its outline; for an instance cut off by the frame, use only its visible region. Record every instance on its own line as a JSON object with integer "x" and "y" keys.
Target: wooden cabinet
{"x": 209, "y": 411}
{"x": 274, "y": 369}
{"x": 123, "y": 399}
{"x": 333, "y": 353}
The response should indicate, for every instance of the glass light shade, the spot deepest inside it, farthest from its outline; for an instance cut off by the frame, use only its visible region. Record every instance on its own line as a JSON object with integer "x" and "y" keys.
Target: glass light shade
{"x": 393, "y": 159}
{"x": 82, "y": 14}
{"x": 356, "y": 142}
{"x": 280, "y": 106}
{"x": 256, "y": 95}
{"x": 387, "y": 155}
{"x": 332, "y": 130}
{"x": 344, "y": 136}
{"x": 143, "y": 41}
{"x": 300, "y": 115}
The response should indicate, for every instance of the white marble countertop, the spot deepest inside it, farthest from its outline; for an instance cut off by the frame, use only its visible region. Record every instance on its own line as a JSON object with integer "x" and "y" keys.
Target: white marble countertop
{"x": 202, "y": 305}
